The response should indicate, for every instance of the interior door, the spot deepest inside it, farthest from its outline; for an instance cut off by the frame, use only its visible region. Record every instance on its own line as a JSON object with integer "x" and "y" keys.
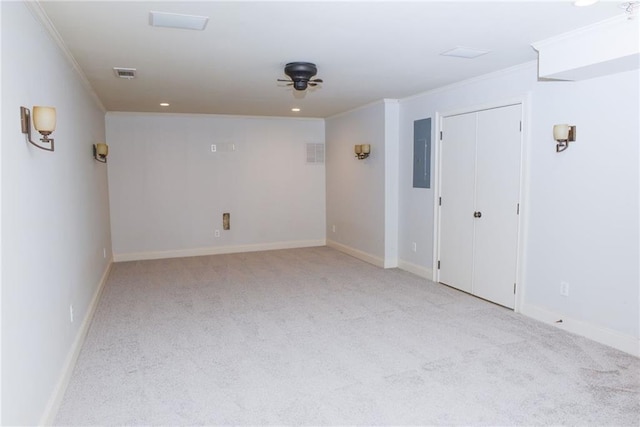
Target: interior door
{"x": 498, "y": 155}
{"x": 457, "y": 190}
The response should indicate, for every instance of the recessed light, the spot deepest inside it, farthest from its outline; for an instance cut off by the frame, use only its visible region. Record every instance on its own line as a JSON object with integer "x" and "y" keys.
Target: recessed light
{"x": 295, "y": 110}
{"x": 177, "y": 20}
{"x": 465, "y": 52}
{"x": 164, "y": 104}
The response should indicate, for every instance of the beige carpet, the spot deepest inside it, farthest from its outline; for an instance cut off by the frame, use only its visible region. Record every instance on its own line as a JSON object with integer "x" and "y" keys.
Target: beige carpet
{"x": 313, "y": 336}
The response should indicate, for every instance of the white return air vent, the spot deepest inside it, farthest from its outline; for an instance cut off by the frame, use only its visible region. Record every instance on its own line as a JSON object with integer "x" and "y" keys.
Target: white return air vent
{"x": 125, "y": 73}
{"x": 315, "y": 153}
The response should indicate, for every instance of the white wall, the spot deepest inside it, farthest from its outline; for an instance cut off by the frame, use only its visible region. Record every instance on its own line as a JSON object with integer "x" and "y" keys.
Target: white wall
{"x": 356, "y": 188}
{"x": 581, "y": 206}
{"x": 584, "y": 212}
{"x": 55, "y": 220}
{"x": 168, "y": 191}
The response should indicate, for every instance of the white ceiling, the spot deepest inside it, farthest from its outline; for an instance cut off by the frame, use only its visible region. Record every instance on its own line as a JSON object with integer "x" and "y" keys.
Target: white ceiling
{"x": 365, "y": 50}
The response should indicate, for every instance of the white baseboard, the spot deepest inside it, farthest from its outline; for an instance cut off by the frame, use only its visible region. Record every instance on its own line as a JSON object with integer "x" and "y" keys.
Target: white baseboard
{"x": 218, "y": 250}
{"x": 615, "y": 339}
{"x": 55, "y": 400}
{"x": 418, "y": 270}
{"x": 357, "y": 253}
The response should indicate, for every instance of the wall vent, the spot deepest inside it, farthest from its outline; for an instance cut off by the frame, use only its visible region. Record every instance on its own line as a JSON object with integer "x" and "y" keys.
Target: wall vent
{"x": 315, "y": 153}
{"x": 125, "y": 73}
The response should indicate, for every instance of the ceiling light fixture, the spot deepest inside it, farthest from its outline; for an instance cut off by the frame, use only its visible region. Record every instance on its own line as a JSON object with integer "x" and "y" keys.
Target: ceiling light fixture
{"x": 295, "y": 110}
{"x": 465, "y": 52}
{"x": 177, "y": 20}
{"x": 301, "y": 74}
{"x": 164, "y": 104}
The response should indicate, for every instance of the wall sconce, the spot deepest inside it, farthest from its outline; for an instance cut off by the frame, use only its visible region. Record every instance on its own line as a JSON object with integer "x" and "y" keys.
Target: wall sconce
{"x": 44, "y": 120}
{"x": 563, "y": 134}
{"x": 100, "y": 152}
{"x": 362, "y": 151}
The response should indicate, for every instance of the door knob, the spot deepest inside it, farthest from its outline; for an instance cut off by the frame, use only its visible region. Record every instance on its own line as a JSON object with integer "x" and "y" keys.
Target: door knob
{"x": 477, "y": 214}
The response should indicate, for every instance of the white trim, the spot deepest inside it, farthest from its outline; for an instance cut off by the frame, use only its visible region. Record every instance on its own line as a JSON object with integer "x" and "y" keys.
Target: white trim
{"x": 361, "y": 107}
{"x": 53, "y": 405}
{"x": 217, "y": 250}
{"x": 390, "y": 263}
{"x": 505, "y": 102}
{"x": 418, "y": 270}
{"x": 357, "y": 253}
{"x": 38, "y": 12}
{"x": 627, "y": 343}
{"x": 436, "y": 195}
{"x": 1, "y": 240}
{"x": 472, "y": 80}
{"x": 232, "y": 116}
{"x": 523, "y": 224}
{"x": 579, "y": 32}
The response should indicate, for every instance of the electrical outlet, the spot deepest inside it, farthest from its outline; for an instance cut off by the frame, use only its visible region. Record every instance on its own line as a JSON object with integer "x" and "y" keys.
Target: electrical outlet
{"x": 414, "y": 247}
{"x": 214, "y": 148}
{"x": 71, "y": 313}
{"x": 216, "y": 233}
{"x": 333, "y": 228}
{"x": 564, "y": 289}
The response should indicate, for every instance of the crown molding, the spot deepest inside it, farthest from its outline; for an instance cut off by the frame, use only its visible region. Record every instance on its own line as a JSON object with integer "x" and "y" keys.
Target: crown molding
{"x": 38, "y": 12}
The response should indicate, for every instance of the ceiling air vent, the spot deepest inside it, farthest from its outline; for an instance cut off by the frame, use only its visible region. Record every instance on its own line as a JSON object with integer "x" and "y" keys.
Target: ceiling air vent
{"x": 125, "y": 73}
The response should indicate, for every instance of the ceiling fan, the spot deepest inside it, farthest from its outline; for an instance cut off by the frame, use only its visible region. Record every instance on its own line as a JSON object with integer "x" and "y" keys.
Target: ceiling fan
{"x": 301, "y": 74}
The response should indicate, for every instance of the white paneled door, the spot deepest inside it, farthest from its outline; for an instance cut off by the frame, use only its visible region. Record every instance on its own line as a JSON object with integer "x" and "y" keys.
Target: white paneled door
{"x": 480, "y": 192}
{"x": 457, "y": 177}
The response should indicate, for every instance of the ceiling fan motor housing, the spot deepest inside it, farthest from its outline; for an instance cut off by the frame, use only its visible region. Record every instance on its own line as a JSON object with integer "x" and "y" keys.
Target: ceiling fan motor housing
{"x": 300, "y": 73}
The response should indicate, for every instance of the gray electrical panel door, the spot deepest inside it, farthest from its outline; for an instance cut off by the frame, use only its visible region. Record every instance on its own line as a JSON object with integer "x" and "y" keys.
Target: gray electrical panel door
{"x": 422, "y": 153}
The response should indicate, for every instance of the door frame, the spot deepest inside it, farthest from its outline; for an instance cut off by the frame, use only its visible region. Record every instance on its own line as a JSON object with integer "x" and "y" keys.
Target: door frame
{"x": 525, "y": 102}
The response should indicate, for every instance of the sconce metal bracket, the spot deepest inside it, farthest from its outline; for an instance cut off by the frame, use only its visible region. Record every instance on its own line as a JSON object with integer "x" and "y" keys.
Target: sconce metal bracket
{"x": 25, "y": 121}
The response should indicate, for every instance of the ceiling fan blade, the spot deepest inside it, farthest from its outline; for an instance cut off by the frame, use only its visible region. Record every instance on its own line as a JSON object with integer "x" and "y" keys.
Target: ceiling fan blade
{"x": 312, "y": 84}
{"x": 316, "y": 81}
{"x": 284, "y": 80}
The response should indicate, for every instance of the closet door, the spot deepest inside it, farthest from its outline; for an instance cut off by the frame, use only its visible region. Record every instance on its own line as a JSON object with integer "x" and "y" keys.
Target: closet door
{"x": 458, "y": 157}
{"x": 480, "y": 191}
{"x": 497, "y": 196}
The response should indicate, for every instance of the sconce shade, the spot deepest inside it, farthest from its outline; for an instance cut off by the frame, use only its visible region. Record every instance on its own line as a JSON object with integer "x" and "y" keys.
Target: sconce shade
{"x": 362, "y": 150}
{"x": 561, "y": 132}
{"x": 102, "y": 149}
{"x": 44, "y": 119}
{"x": 100, "y": 152}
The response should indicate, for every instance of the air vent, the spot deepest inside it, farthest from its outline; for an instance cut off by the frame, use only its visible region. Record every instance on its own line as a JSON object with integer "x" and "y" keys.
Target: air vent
{"x": 465, "y": 52}
{"x": 125, "y": 73}
{"x": 315, "y": 153}
{"x": 177, "y": 20}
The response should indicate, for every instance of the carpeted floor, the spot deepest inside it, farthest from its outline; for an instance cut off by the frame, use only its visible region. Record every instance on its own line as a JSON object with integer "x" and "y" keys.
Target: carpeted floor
{"x": 313, "y": 336}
